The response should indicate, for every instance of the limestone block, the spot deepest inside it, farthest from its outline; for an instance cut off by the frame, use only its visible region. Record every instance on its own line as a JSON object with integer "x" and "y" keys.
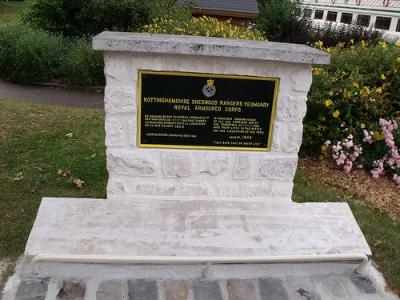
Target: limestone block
{"x": 118, "y": 68}
{"x": 301, "y": 80}
{"x": 287, "y": 137}
{"x": 115, "y": 134}
{"x": 214, "y": 163}
{"x": 277, "y": 168}
{"x": 156, "y": 64}
{"x": 290, "y": 108}
{"x": 155, "y": 188}
{"x": 132, "y": 132}
{"x": 242, "y": 168}
{"x": 195, "y": 189}
{"x": 116, "y": 187}
{"x": 282, "y": 190}
{"x": 120, "y": 99}
{"x": 243, "y": 190}
{"x": 177, "y": 164}
{"x": 131, "y": 163}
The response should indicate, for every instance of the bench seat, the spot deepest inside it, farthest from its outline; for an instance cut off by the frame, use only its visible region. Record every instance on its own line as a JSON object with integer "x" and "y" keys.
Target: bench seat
{"x": 66, "y": 226}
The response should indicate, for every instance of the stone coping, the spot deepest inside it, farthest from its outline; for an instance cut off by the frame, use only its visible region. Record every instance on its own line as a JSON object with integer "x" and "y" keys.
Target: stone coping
{"x": 208, "y": 46}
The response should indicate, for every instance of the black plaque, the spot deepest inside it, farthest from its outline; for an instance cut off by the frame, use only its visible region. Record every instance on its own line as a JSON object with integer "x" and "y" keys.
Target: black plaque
{"x": 208, "y": 111}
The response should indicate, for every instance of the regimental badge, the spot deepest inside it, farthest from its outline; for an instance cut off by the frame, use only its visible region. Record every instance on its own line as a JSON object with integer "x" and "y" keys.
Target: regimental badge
{"x": 209, "y": 89}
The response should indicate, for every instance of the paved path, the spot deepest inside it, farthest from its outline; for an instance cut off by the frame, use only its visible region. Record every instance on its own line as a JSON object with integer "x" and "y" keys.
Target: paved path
{"x": 55, "y": 95}
{"x": 225, "y": 282}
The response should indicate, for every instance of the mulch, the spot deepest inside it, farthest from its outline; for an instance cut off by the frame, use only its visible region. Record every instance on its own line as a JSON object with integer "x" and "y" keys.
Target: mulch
{"x": 382, "y": 193}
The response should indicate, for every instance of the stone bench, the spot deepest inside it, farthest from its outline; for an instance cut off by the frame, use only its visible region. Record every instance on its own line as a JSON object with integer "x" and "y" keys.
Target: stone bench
{"x": 222, "y": 231}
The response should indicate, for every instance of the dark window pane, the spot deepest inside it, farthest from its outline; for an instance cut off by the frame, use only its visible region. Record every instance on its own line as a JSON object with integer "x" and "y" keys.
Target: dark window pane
{"x": 346, "y": 18}
{"x": 398, "y": 26}
{"x": 319, "y": 14}
{"x": 332, "y": 15}
{"x": 382, "y": 23}
{"x": 363, "y": 20}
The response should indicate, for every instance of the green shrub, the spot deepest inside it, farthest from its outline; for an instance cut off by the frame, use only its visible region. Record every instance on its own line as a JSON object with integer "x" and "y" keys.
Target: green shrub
{"x": 9, "y": 34}
{"x": 332, "y": 34}
{"x": 204, "y": 26}
{"x": 169, "y": 9}
{"x": 278, "y": 18}
{"x": 83, "y": 66}
{"x": 29, "y": 55}
{"x": 354, "y": 106}
{"x": 77, "y": 18}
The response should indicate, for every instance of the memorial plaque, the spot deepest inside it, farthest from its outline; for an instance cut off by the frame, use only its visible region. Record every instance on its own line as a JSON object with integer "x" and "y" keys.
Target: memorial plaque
{"x": 207, "y": 111}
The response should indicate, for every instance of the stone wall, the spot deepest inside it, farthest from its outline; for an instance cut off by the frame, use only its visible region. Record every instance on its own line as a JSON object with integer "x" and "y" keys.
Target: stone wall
{"x": 202, "y": 174}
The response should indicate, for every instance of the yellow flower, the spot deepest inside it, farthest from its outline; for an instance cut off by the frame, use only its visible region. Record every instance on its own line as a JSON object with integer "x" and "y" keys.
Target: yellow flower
{"x": 331, "y": 93}
{"x": 363, "y": 43}
{"x": 383, "y": 44}
{"x": 356, "y": 85}
{"x": 379, "y": 90}
{"x": 321, "y": 157}
{"x": 346, "y": 94}
{"x": 365, "y": 91}
{"x": 362, "y": 125}
{"x": 379, "y": 136}
{"x": 319, "y": 44}
{"x": 328, "y": 102}
{"x": 398, "y": 59}
{"x": 383, "y": 76}
{"x": 323, "y": 149}
{"x": 352, "y": 41}
{"x": 336, "y": 114}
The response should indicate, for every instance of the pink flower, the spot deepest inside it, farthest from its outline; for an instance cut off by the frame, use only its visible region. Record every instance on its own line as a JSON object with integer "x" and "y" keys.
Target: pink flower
{"x": 375, "y": 173}
{"x": 348, "y": 166}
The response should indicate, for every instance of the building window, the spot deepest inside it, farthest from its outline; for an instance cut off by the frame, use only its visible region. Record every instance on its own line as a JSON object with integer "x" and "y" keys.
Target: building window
{"x": 346, "y": 18}
{"x": 382, "y": 23}
{"x": 398, "y": 25}
{"x": 332, "y": 15}
{"x": 319, "y": 14}
{"x": 363, "y": 20}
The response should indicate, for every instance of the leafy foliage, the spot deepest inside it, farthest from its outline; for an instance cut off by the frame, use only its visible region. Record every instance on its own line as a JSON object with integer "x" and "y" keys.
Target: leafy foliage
{"x": 203, "y": 26}
{"x": 169, "y": 9}
{"x": 82, "y": 65}
{"x": 280, "y": 19}
{"x": 86, "y": 17}
{"x": 32, "y": 55}
{"x": 28, "y": 55}
{"x": 354, "y": 107}
{"x": 332, "y": 34}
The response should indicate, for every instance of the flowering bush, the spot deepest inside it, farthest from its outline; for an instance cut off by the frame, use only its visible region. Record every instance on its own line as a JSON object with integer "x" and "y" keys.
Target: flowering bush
{"x": 354, "y": 108}
{"x": 204, "y": 26}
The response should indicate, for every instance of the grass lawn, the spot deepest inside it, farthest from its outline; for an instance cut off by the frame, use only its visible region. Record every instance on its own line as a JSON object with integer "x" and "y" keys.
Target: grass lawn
{"x": 9, "y": 11}
{"x": 43, "y": 148}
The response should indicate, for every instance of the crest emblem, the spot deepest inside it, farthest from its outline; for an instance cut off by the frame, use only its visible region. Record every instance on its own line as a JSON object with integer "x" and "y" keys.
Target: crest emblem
{"x": 209, "y": 89}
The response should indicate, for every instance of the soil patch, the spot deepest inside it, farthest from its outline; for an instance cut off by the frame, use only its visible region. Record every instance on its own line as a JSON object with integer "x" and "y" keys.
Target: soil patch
{"x": 382, "y": 194}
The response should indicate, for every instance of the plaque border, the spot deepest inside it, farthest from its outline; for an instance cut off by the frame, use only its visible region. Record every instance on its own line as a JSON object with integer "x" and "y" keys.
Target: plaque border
{"x": 205, "y": 75}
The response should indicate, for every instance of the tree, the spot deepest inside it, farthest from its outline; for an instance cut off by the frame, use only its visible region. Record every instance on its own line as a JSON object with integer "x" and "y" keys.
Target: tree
{"x": 282, "y": 20}
{"x": 86, "y": 17}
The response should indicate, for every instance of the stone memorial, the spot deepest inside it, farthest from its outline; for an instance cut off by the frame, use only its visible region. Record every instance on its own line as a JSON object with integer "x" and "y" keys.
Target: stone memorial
{"x": 202, "y": 139}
